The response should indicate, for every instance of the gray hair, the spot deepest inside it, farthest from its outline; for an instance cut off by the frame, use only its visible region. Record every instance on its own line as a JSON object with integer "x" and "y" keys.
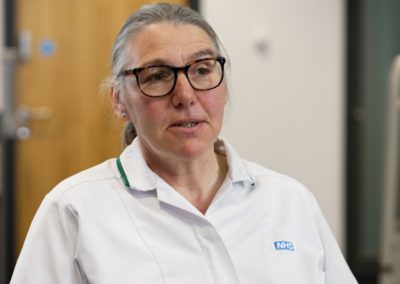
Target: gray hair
{"x": 145, "y": 16}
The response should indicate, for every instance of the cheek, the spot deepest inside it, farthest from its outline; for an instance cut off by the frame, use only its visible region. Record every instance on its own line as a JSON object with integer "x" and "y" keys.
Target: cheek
{"x": 146, "y": 113}
{"x": 217, "y": 101}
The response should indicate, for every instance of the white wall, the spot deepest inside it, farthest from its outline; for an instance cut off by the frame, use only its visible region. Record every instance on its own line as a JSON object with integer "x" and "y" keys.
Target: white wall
{"x": 287, "y": 96}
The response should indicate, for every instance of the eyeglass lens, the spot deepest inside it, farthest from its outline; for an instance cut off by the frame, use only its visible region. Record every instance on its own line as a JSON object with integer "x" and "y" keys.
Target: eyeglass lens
{"x": 160, "y": 80}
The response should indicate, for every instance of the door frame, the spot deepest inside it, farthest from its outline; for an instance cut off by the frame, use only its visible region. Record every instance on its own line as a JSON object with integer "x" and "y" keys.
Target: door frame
{"x": 7, "y": 143}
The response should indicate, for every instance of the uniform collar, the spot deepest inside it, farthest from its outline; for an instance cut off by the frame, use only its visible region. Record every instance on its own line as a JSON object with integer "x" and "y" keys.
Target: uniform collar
{"x": 138, "y": 173}
{"x": 238, "y": 171}
{"x": 141, "y": 177}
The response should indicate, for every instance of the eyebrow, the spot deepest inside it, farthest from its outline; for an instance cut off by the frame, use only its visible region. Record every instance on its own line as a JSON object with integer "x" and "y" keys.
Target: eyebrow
{"x": 197, "y": 55}
{"x": 202, "y": 53}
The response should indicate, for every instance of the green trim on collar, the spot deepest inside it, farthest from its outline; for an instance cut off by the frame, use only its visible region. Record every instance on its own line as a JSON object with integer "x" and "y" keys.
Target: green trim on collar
{"x": 122, "y": 173}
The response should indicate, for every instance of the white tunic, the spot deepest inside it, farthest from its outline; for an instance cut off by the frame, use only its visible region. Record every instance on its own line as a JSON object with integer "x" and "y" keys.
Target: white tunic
{"x": 262, "y": 227}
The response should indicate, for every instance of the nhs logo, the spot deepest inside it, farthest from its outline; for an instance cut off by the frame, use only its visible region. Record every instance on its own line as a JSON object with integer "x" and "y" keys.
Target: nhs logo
{"x": 284, "y": 245}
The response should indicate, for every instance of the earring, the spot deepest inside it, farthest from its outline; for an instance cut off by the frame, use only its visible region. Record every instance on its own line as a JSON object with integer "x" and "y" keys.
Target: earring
{"x": 123, "y": 114}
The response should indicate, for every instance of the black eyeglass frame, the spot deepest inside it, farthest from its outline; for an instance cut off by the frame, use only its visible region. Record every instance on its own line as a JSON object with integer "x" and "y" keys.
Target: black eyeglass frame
{"x": 220, "y": 59}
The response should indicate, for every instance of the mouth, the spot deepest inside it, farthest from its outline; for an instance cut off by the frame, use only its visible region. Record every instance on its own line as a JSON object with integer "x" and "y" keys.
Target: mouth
{"x": 185, "y": 124}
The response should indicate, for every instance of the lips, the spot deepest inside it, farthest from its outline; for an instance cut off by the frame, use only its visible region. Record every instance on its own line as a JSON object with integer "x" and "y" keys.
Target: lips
{"x": 186, "y": 123}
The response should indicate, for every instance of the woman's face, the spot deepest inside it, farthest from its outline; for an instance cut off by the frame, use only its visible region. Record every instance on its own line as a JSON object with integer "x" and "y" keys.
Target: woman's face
{"x": 184, "y": 124}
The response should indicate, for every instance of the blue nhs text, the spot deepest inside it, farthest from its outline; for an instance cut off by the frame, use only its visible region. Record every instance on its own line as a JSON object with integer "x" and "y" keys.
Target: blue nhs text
{"x": 284, "y": 245}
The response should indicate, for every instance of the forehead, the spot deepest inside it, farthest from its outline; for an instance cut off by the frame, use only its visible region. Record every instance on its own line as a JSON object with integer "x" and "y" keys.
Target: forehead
{"x": 169, "y": 43}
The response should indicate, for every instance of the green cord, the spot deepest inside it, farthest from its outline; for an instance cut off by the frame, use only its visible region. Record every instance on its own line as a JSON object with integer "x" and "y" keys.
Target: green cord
{"x": 123, "y": 174}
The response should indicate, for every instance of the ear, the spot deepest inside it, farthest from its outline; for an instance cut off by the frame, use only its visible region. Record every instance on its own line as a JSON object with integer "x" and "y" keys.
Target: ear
{"x": 118, "y": 106}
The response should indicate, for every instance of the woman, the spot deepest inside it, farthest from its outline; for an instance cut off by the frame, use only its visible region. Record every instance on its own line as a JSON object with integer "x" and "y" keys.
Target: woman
{"x": 179, "y": 205}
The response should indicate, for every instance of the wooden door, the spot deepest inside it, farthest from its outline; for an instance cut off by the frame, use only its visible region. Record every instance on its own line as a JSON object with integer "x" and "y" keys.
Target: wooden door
{"x": 67, "y": 123}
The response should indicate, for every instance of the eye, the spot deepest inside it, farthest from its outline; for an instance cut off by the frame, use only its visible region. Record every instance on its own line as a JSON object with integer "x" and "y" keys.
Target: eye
{"x": 154, "y": 75}
{"x": 203, "y": 71}
{"x": 202, "y": 68}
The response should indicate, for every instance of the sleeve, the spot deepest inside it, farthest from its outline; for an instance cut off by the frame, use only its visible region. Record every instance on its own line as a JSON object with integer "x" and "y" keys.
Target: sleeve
{"x": 48, "y": 254}
{"x": 336, "y": 268}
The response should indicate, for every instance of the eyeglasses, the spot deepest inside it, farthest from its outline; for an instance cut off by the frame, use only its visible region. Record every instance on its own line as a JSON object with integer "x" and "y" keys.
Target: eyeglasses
{"x": 160, "y": 80}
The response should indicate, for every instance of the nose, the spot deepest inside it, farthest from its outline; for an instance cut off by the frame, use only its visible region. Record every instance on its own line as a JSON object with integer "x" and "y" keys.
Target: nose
{"x": 183, "y": 94}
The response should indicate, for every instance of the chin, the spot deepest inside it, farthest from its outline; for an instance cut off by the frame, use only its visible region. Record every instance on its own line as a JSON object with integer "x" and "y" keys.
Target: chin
{"x": 192, "y": 151}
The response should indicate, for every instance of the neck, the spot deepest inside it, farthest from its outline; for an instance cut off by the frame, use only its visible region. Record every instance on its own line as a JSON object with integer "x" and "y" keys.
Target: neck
{"x": 197, "y": 180}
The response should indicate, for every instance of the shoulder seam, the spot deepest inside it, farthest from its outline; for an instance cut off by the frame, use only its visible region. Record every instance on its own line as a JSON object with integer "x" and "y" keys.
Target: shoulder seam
{"x": 71, "y": 186}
